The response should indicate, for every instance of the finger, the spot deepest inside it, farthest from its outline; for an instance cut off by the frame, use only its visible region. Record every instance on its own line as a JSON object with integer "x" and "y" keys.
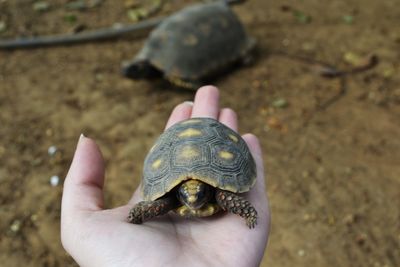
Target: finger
{"x": 206, "y": 102}
{"x": 258, "y": 192}
{"x": 181, "y": 112}
{"x": 228, "y": 117}
{"x": 83, "y": 186}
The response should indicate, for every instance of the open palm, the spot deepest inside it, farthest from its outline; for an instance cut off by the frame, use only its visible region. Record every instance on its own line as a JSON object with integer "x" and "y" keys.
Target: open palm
{"x": 98, "y": 237}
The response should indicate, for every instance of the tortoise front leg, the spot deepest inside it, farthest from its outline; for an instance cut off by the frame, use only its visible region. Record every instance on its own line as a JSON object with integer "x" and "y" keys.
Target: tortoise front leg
{"x": 146, "y": 210}
{"x": 231, "y": 202}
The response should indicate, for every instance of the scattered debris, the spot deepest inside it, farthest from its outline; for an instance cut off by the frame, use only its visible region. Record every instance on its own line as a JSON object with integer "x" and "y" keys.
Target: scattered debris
{"x": 275, "y": 123}
{"x": 52, "y": 150}
{"x": 137, "y": 14}
{"x": 331, "y": 219}
{"x": 365, "y": 63}
{"x": 350, "y": 219}
{"x": 95, "y": 3}
{"x": 309, "y": 217}
{"x": 78, "y": 28}
{"x": 131, "y": 3}
{"x": 285, "y": 8}
{"x": 36, "y": 162}
{"x": 301, "y": 17}
{"x": 352, "y": 58}
{"x": 41, "y": 6}
{"x": 361, "y": 239}
{"x": 348, "y": 19}
{"x": 301, "y": 252}
{"x": 280, "y": 103}
{"x": 54, "y": 180}
{"x": 34, "y": 217}
{"x": 15, "y": 226}
{"x": 77, "y": 5}
{"x": 308, "y": 46}
{"x": 3, "y": 27}
{"x": 360, "y": 62}
{"x": 49, "y": 132}
{"x": 388, "y": 72}
{"x": 70, "y": 18}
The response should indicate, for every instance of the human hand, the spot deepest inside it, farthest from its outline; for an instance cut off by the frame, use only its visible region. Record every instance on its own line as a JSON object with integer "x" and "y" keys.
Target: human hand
{"x": 95, "y": 236}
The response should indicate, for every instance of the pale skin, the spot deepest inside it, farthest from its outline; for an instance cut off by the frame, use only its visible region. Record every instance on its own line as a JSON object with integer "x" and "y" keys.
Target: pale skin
{"x": 95, "y": 236}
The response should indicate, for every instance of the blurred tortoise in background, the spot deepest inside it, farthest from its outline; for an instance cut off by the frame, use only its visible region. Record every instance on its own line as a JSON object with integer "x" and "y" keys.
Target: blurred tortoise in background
{"x": 193, "y": 45}
{"x": 187, "y": 48}
{"x": 196, "y": 168}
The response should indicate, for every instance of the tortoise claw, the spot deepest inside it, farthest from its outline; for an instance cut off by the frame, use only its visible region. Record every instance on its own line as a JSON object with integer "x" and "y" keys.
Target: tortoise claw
{"x": 252, "y": 221}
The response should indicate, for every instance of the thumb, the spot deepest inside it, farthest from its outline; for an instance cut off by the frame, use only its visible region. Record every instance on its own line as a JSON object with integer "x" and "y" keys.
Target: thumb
{"x": 83, "y": 186}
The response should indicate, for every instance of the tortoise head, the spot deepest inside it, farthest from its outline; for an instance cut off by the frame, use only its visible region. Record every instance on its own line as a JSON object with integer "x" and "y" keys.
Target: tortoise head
{"x": 194, "y": 194}
{"x": 139, "y": 69}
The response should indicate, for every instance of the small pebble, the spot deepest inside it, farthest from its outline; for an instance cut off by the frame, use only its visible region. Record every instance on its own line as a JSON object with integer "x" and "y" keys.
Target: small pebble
{"x": 49, "y": 132}
{"x": 16, "y": 226}
{"x": 52, "y": 150}
{"x": 301, "y": 252}
{"x": 137, "y": 14}
{"x": 41, "y": 6}
{"x": 348, "y": 19}
{"x": 280, "y": 103}
{"x": 34, "y": 217}
{"x": 350, "y": 219}
{"x": 387, "y": 73}
{"x": 3, "y": 26}
{"x": 95, "y": 3}
{"x": 76, "y": 5}
{"x": 54, "y": 180}
{"x": 352, "y": 58}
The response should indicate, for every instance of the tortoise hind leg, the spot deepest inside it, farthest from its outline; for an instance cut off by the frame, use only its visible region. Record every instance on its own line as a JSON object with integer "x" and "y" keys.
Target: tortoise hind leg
{"x": 146, "y": 210}
{"x": 231, "y": 202}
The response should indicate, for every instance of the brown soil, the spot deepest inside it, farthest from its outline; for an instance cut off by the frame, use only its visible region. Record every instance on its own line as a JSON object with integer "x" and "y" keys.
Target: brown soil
{"x": 333, "y": 173}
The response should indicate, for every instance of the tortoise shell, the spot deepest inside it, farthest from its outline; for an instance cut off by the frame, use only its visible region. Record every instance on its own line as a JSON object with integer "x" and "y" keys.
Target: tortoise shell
{"x": 202, "y": 149}
{"x": 195, "y": 43}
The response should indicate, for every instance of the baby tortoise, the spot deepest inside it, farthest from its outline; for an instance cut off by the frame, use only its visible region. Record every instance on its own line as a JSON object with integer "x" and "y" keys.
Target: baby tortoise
{"x": 192, "y": 46}
{"x": 196, "y": 168}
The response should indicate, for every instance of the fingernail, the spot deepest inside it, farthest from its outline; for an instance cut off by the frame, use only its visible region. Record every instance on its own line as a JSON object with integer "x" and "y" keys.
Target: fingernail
{"x": 81, "y": 137}
{"x": 190, "y": 103}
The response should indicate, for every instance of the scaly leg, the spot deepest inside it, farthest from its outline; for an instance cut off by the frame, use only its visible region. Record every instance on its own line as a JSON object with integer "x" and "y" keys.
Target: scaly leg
{"x": 146, "y": 210}
{"x": 231, "y": 202}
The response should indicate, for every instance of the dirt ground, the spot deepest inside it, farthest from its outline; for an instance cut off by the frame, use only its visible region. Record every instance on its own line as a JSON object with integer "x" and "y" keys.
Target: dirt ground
{"x": 331, "y": 146}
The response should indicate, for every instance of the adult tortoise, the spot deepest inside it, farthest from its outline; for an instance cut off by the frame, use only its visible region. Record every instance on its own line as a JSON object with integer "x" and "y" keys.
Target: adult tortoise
{"x": 192, "y": 45}
{"x": 196, "y": 168}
